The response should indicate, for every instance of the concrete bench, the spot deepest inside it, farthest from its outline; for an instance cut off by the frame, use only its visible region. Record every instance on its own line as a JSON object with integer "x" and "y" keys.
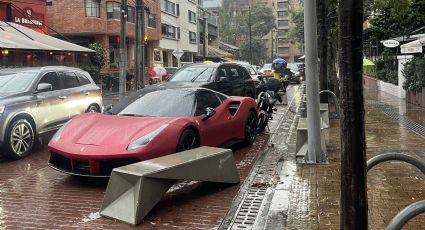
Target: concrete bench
{"x": 133, "y": 190}
{"x": 302, "y": 146}
{"x": 324, "y": 114}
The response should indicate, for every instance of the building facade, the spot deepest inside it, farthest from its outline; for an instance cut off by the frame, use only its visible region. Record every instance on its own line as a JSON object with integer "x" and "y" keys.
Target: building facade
{"x": 88, "y": 21}
{"x": 179, "y": 31}
{"x": 277, "y": 42}
{"x": 29, "y": 13}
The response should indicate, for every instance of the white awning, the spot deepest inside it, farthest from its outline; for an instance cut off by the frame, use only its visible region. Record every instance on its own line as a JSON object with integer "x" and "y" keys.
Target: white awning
{"x": 413, "y": 46}
{"x": 14, "y": 36}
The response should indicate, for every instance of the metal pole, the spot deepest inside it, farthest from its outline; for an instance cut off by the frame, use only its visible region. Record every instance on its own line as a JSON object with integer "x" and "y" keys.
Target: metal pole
{"x": 123, "y": 49}
{"x": 272, "y": 55}
{"x": 250, "y": 33}
{"x": 205, "y": 37}
{"x": 142, "y": 37}
{"x": 315, "y": 153}
{"x": 138, "y": 49}
{"x": 354, "y": 213}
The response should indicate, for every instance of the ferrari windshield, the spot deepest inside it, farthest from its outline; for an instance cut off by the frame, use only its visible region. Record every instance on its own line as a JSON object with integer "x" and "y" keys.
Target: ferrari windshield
{"x": 195, "y": 73}
{"x": 16, "y": 82}
{"x": 162, "y": 103}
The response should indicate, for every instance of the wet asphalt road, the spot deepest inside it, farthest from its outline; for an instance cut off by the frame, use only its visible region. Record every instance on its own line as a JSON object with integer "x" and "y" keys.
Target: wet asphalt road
{"x": 34, "y": 196}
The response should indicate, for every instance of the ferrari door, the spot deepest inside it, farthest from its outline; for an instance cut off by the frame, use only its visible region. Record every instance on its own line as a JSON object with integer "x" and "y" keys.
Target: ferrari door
{"x": 214, "y": 131}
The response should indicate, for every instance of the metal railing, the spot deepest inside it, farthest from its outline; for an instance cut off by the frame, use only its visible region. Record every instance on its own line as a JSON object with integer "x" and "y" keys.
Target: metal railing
{"x": 336, "y": 103}
{"x": 412, "y": 210}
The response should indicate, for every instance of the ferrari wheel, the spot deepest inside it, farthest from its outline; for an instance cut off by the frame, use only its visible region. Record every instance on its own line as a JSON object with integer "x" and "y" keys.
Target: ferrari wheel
{"x": 19, "y": 139}
{"x": 251, "y": 128}
{"x": 92, "y": 109}
{"x": 188, "y": 140}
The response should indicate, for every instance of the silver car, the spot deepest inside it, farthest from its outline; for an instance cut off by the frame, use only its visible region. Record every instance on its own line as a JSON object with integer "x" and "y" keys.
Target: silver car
{"x": 34, "y": 101}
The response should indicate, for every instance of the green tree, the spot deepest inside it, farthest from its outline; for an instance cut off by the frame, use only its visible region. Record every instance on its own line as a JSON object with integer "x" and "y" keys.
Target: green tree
{"x": 396, "y": 18}
{"x": 258, "y": 51}
{"x": 99, "y": 58}
{"x": 296, "y": 33}
{"x": 227, "y": 22}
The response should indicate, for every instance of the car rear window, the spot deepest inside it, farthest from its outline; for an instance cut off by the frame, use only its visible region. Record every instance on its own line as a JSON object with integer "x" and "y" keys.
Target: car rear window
{"x": 192, "y": 74}
{"x": 70, "y": 80}
{"x": 83, "y": 79}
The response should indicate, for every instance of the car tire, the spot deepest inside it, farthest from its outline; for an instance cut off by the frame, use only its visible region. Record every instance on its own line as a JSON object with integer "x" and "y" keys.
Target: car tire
{"x": 189, "y": 139}
{"x": 93, "y": 109}
{"x": 251, "y": 128}
{"x": 19, "y": 139}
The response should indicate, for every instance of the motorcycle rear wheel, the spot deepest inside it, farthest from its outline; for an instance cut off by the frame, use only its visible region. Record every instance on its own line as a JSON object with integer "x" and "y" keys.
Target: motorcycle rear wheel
{"x": 263, "y": 120}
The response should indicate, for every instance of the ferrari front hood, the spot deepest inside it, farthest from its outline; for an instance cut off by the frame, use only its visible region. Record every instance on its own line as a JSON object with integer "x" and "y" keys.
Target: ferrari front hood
{"x": 100, "y": 129}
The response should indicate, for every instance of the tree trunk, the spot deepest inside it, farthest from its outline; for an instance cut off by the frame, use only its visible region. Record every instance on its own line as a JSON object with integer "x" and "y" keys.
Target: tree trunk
{"x": 353, "y": 144}
{"x": 323, "y": 32}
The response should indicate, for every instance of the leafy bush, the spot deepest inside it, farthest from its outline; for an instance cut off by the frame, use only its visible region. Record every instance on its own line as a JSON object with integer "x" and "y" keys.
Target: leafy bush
{"x": 113, "y": 66}
{"x": 386, "y": 69}
{"x": 94, "y": 72}
{"x": 370, "y": 71}
{"x": 98, "y": 59}
{"x": 414, "y": 73}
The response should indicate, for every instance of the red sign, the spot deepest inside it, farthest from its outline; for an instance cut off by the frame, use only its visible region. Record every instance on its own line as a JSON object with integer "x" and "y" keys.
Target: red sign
{"x": 29, "y": 13}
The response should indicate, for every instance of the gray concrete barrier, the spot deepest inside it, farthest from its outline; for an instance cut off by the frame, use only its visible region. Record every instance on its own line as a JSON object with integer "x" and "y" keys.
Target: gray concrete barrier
{"x": 133, "y": 190}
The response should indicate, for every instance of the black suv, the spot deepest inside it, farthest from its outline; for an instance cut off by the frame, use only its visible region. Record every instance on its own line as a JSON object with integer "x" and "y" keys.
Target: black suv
{"x": 229, "y": 78}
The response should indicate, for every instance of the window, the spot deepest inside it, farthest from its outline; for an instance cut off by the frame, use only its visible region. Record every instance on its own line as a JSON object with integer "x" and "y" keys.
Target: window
{"x": 170, "y": 31}
{"x": 83, "y": 79}
{"x": 282, "y": 13}
{"x": 282, "y": 22}
{"x": 113, "y": 10}
{"x": 192, "y": 37}
{"x": 282, "y": 4}
{"x": 205, "y": 99}
{"x": 282, "y": 33}
{"x": 69, "y": 80}
{"x": 92, "y": 8}
{"x": 283, "y": 50}
{"x": 168, "y": 7}
{"x": 187, "y": 57}
{"x": 51, "y": 78}
{"x": 152, "y": 20}
{"x": 131, "y": 14}
{"x": 192, "y": 17}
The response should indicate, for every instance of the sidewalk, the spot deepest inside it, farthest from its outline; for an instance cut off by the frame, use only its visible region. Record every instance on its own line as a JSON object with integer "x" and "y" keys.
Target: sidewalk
{"x": 314, "y": 201}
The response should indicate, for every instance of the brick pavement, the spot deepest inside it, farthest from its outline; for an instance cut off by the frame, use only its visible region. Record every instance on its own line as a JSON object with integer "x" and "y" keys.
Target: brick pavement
{"x": 391, "y": 186}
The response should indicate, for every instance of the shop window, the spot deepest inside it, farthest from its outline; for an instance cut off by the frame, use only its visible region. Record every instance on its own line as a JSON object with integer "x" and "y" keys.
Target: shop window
{"x": 92, "y": 8}
{"x": 187, "y": 57}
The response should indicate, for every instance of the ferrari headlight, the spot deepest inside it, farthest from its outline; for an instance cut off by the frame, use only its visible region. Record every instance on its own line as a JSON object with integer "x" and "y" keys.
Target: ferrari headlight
{"x": 2, "y": 109}
{"x": 140, "y": 142}
{"x": 58, "y": 133}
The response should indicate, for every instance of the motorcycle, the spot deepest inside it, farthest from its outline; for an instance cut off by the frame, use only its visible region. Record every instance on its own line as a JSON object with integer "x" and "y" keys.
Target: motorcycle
{"x": 266, "y": 99}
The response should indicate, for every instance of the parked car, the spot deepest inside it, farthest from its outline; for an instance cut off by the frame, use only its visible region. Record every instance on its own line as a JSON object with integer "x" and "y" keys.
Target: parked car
{"x": 298, "y": 72}
{"x": 153, "y": 122}
{"x": 266, "y": 70}
{"x": 229, "y": 78}
{"x": 34, "y": 101}
{"x": 170, "y": 71}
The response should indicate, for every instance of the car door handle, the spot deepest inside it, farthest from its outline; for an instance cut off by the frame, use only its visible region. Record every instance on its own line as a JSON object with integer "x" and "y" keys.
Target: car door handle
{"x": 87, "y": 93}
{"x": 62, "y": 97}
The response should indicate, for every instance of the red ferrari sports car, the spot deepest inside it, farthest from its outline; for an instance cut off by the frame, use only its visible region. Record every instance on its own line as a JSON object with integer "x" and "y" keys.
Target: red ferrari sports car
{"x": 153, "y": 122}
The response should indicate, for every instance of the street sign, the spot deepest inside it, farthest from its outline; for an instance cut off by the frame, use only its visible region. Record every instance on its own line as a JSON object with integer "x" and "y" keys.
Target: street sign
{"x": 391, "y": 43}
{"x": 178, "y": 53}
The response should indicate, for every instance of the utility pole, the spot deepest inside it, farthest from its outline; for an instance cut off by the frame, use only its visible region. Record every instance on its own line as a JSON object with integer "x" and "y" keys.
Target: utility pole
{"x": 250, "y": 33}
{"x": 142, "y": 37}
{"x": 272, "y": 33}
{"x": 315, "y": 153}
{"x": 353, "y": 144}
{"x": 138, "y": 48}
{"x": 123, "y": 49}
{"x": 205, "y": 36}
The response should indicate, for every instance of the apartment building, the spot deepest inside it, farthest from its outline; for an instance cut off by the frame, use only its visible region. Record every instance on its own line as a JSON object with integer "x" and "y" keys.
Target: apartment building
{"x": 179, "y": 31}
{"x": 88, "y": 21}
{"x": 277, "y": 41}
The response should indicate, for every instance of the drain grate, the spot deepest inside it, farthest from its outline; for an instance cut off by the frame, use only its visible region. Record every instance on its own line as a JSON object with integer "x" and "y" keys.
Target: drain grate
{"x": 394, "y": 114}
{"x": 247, "y": 213}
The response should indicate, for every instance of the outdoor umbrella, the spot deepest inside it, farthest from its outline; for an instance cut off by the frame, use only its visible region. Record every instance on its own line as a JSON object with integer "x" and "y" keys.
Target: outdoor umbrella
{"x": 367, "y": 62}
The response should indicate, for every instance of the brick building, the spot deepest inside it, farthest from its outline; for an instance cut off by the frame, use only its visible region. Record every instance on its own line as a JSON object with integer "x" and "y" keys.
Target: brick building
{"x": 88, "y": 21}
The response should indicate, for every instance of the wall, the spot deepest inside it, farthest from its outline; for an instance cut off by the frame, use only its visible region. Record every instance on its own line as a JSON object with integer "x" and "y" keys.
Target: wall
{"x": 375, "y": 84}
